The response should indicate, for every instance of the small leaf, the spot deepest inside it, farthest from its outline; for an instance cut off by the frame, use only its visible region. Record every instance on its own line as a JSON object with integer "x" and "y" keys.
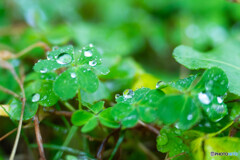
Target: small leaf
{"x": 121, "y": 110}
{"x": 16, "y": 108}
{"x": 66, "y": 84}
{"x": 107, "y": 120}
{"x": 183, "y": 84}
{"x": 97, "y": 107}
{"x": 81, "y": 117}
{"x": 90, "y": 125}
{"x": 87, "y": 79}
{"x": 147, "y": 114}
{"x": 131, "y": 120}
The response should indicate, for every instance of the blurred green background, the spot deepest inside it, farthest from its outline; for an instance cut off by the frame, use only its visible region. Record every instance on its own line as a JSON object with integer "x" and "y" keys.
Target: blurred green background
{"x": 132, "y": 35}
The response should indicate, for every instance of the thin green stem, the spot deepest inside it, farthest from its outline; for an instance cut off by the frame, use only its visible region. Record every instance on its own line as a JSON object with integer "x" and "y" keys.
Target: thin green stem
{"x": 222, "y": 130}
{"x": 117, "y": 146}
{"x": 68, "y": 105}
{"x": 79, "y": 100}
{"x": 70, "y": 135}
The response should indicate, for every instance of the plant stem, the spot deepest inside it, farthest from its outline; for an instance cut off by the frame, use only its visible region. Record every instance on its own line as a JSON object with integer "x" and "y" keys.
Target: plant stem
{"x": 149, "y": 127}
{"x": 117, "y": 146}
{"x": 70, "y": 135}
{"x": 68, "y": 105}
{"x": 79, "y": 100}
{"x": 39, "y": 138}
{"x": 5, "y": 90}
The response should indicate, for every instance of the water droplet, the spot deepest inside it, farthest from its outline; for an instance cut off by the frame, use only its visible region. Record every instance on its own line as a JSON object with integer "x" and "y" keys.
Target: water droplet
{"x": 190, "y": 117}
{"x": 91, "y": 45}
{"x": 44, "y": 70}
{"x": 87, "y": 53}
{"x": 220, "y": 100}
{"x": 117, "y": 96}
{"x": 209, "y": 85}
{"x": 64, "y": 58}
{"x": 44, "y": 98}
{"x": 128, "y": 93}
{"x": 73, "y": 75}
{"x": 92, "y": 63}
{"x": 162, "y": 139}
{"x": 204, "y": 98}
{"x": 35, "y": 97}
{"x": 161, "y": 85}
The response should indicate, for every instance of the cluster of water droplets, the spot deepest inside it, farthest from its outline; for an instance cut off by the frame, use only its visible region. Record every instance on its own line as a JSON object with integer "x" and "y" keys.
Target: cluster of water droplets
{"x": 128, "y": 93}
{"x": 88, "y": 52}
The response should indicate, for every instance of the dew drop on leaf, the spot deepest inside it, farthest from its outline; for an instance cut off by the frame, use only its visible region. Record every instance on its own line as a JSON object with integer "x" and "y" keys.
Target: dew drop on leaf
{"x": 117, "y": 96}
{"x": 161, "y": 85}
{"x": 91, "y": 45}
{"x": 73, "y": 75}
{"x": 220, "y": 100}
{"x": 87, "y": 53}
{"x": 162, "y": 139}
{"x": 64, "y": 58}
{"x": 92, "y": 63}
{"x": 44, "y": 70}
{"x": 35, "y": 97}
{"x": 128, "y": 93}
{"x": 204, "y": 98}
{"x": 190, "y": 117}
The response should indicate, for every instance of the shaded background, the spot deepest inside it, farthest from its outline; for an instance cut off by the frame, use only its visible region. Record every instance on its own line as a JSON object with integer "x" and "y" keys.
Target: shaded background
{"x": 135, "y": 36}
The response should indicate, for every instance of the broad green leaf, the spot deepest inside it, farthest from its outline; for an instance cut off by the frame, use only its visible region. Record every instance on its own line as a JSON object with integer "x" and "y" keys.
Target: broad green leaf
{"x": 66, "y": 84}
{"x": 101, "y": 93}
{"x": 97, "y": 107}
{"x": 90, "y": 55}
{"x": 121, "y": 110}
{"x": 130, "y": 120}
{"x": 214, "y": 80}
{"x": 107, "y": 119}
{"x": 16, "y": 108}
{"x": 147, "y": 114}
{"x": 168, "y": 141}
{"x": 57, "y": 58}
{"x": 183, "y": 84}
{"x": 87, "y": 79}
{"x": 226, "y": 57}
{"x": 222, "y": 144}
{"x": 44, "y": 66}
{"x": 81, "y": 117}
{"x": 90, "y": 125}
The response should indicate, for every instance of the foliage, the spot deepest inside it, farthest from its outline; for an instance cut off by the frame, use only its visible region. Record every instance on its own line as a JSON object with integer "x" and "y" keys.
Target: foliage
{"x": 102, "y": 84}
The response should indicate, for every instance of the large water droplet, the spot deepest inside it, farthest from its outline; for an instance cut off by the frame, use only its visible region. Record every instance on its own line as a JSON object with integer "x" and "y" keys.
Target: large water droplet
{"x": 44, "y": 70}
{"x": 73, "y": 75}
{"x": 161, "y": 85}
{"x": 87, "y": 53}
{"x": 190, "y": 117}
{"x": 35, "y": 97}
{"x": 128, "y": 93}
{"x": 92, "y": 63}
{"x": 204, "y": 98}
{"x": 220, "y": 100}
{"x": 91, "y": 45}
{"x": 64, "y": 58}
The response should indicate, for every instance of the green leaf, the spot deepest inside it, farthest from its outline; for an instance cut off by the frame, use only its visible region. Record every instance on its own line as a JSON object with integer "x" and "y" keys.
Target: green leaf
{"x": 183, "y": 84}
{"x": 101, "y": 69}
{"x": 214, "y": 80}
{"x": 131, "y": 119}
{"x": 121, "y": 110}
{"x": 87, "y": 79}
{"x": 101, "y": 93}
{"x": 222, "y": 144}
{"x": 67, "y": 84}
{"x": 219, "y": 57}
{"x": 97, "y": 107}
{"x": 90, "y": 55}
{"x": 16, "y": 108}
{"x": 81, "y": 117}
{"x": 57, "y": 58}
{"x": 107, "y": 119}
{"x": 47, "y": 96}
{"x": 44, "y": 66}
{"x": 147, "y": 114}
{"x": 90, "y": 125}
